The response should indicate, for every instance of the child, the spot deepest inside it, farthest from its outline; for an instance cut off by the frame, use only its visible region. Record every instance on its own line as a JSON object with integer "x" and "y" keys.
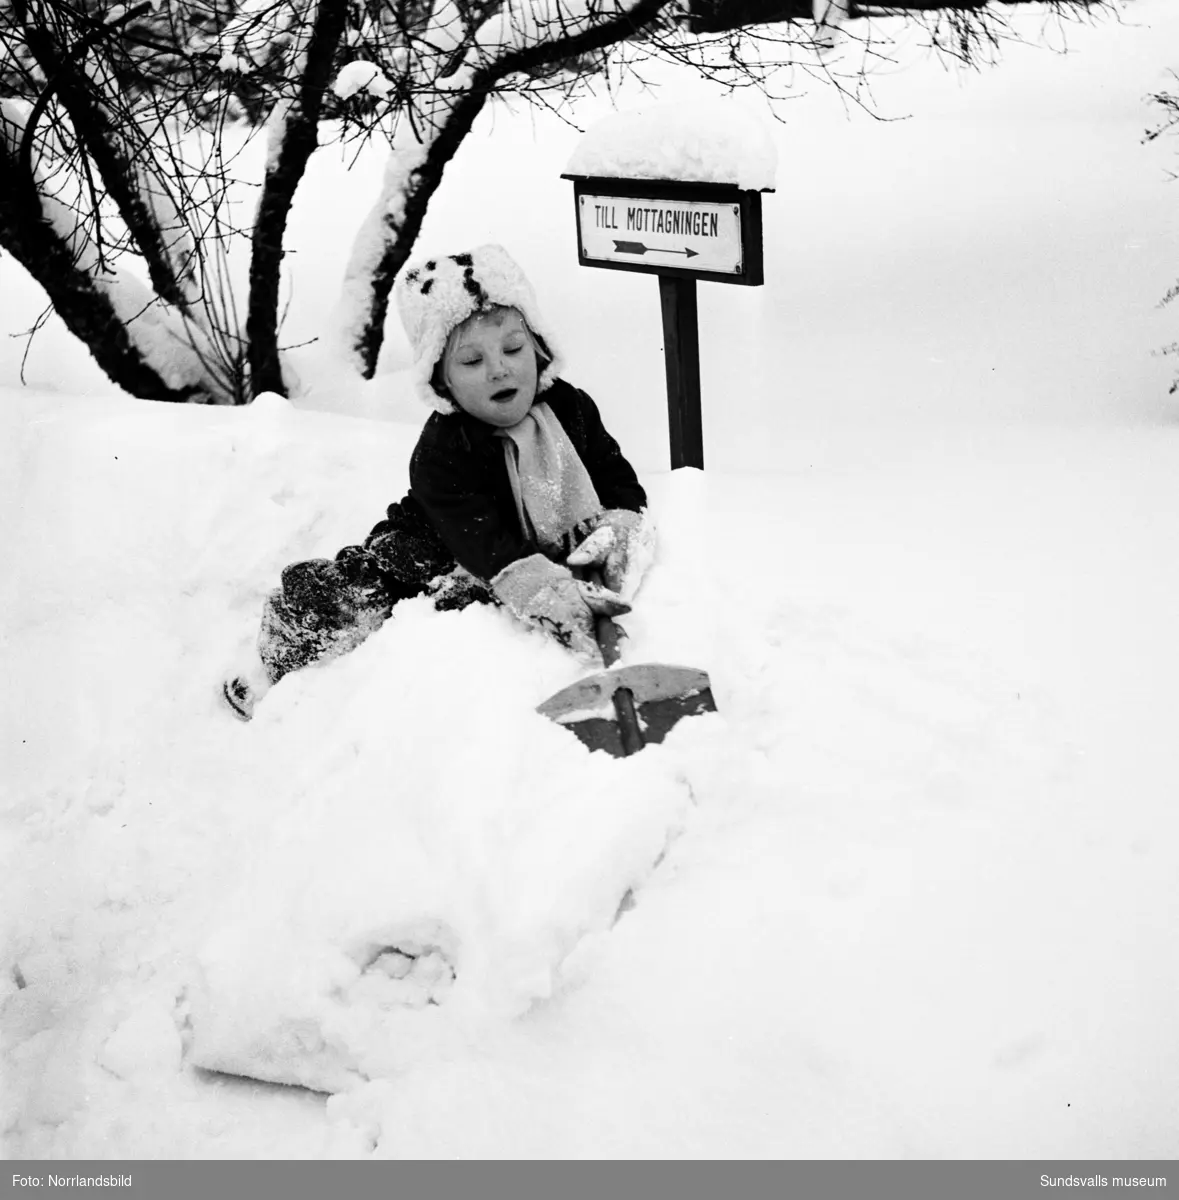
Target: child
{"x": 514, "y": 480}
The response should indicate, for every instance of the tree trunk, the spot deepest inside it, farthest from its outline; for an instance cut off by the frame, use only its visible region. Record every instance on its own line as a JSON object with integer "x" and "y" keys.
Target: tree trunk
{"x": 295, "y": 140}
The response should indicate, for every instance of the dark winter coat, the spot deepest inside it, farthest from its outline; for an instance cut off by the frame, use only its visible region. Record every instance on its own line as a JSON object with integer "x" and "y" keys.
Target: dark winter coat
{"x": 459, "y": 478}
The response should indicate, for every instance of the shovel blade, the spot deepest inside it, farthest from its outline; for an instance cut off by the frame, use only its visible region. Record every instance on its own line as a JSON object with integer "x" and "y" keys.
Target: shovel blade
{"x": 662, "y": 696}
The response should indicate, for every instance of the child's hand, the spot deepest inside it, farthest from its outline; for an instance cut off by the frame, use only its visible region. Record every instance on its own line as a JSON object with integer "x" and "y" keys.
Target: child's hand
{"x": 601, "y": 599}
{"x": 594, "y": 551}
{"x": 545, "y": 594}
{"x": 621, "y": 546}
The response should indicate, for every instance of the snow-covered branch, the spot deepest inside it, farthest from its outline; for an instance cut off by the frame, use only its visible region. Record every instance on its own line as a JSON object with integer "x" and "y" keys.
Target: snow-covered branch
{"x": 293, "y": 133}
{"x": 143, "y": 196}
{"x": 451, "y": 73}
{"x": 145, "y": 345}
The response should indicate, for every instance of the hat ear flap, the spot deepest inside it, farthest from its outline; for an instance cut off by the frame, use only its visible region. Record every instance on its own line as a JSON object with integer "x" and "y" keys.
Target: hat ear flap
{"x": 548, "y": 365}
{"x": 544, "y": 355}
{"x": 438, "y": 381}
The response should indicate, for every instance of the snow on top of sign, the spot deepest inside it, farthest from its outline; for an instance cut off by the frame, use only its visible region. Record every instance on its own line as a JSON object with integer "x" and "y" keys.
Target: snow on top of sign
{"x": 703, "y": 141}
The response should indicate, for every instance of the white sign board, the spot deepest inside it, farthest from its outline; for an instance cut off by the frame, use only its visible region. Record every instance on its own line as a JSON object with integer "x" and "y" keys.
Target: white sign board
{"x": 698, "y": 235}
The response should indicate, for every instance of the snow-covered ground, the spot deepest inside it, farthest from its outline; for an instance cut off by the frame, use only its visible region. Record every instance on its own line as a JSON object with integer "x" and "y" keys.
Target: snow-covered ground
{"x": 919, "y": 876}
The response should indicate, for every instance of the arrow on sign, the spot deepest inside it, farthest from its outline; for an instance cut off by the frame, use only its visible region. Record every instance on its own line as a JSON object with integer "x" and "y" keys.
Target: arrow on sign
{"x": 639, "y": 248}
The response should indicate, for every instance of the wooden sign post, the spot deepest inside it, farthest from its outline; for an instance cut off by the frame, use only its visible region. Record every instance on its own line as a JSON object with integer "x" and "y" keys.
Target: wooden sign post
{"x": 681, "y": 232}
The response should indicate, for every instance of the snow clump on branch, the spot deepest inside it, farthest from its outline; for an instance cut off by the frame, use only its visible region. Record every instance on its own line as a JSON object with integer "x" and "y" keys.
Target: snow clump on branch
{"x": 361, "y": 76}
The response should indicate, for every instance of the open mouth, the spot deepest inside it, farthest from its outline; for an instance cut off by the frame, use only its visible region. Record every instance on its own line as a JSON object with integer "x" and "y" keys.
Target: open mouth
{"x": 504, "y": 394}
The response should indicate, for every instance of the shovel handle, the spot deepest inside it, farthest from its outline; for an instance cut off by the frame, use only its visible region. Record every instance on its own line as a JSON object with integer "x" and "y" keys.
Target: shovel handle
{"x": 610, "y": 635}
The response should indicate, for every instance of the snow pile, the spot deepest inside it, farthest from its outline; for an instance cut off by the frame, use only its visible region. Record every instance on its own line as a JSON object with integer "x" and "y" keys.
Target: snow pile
{"x": 443, "y": 852}
{"x": 715, "y": 141}
{"x": 394, "y": 856}
{"x": 891, "y": 860}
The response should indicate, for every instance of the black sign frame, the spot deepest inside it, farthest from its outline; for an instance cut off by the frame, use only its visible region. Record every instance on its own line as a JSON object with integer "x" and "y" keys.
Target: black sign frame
{"x": 748, "y": 201}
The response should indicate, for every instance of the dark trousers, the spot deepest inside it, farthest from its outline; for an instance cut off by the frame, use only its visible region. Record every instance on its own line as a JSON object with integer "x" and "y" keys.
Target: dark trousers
{"x": 327, "y": 607}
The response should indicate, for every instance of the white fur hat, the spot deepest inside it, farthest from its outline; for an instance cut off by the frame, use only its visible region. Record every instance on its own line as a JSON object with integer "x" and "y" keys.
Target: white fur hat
{"x": 435, "y": 295}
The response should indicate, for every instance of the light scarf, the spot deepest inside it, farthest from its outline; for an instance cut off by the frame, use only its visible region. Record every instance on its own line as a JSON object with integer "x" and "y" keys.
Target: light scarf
{"x": 555, "y": 497}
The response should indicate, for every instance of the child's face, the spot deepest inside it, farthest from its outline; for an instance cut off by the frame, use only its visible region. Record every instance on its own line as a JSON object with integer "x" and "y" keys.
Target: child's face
{"x": 489, "y": 365}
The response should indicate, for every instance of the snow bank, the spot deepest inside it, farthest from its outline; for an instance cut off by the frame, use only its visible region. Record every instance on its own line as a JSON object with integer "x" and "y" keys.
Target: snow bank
{"x": 442, "y": 854}
{"x": 420, "y": 802}
{"x": 715, "y": 141}
{"x": 919, "y": 819}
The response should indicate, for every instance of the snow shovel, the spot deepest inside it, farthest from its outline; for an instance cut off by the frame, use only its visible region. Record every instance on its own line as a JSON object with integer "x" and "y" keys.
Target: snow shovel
{"x": 621, "y": 710}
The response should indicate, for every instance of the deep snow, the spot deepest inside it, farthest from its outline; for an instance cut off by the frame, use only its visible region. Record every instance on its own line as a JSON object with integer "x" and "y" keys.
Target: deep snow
{"x": 920, "y": 886}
